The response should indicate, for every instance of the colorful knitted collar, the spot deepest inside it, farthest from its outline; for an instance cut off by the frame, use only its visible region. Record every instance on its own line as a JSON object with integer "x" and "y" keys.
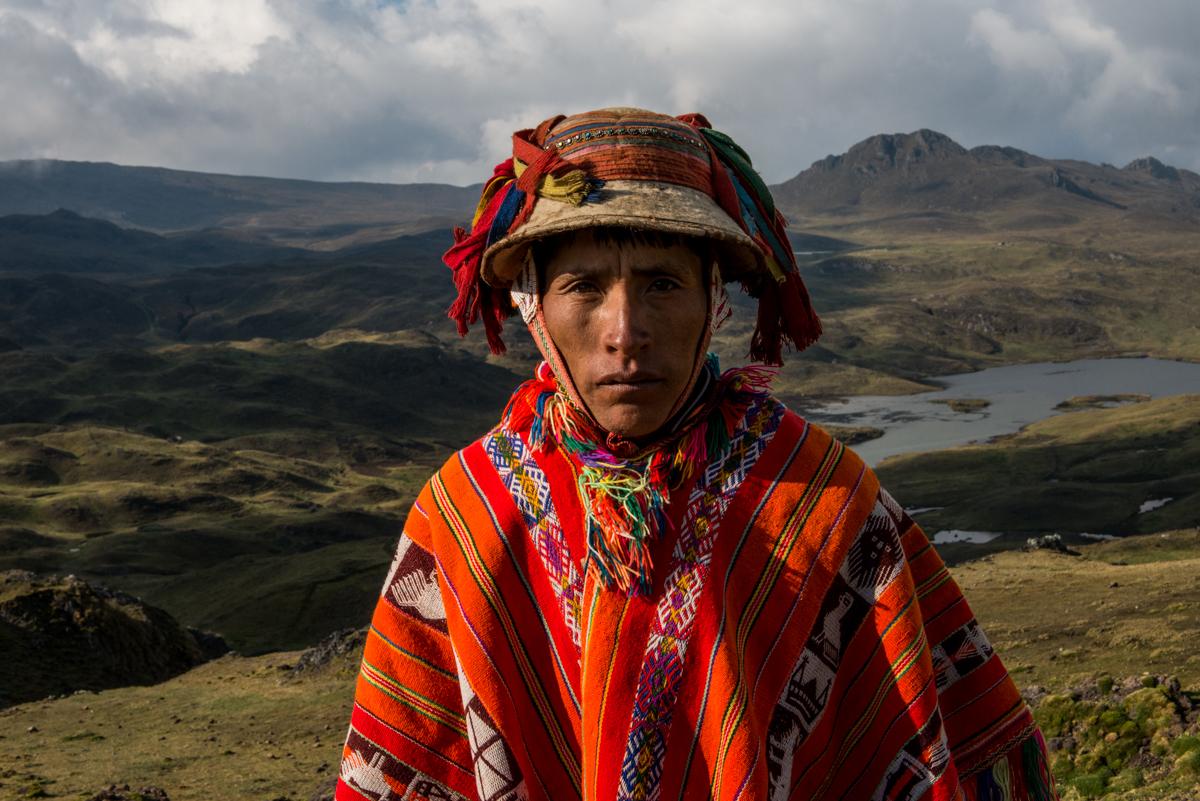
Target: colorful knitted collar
{"x": 625, "y": 490}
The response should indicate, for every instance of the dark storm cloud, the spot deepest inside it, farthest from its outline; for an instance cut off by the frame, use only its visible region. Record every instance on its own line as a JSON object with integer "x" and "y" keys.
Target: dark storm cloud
{"x": 430, "y": 89}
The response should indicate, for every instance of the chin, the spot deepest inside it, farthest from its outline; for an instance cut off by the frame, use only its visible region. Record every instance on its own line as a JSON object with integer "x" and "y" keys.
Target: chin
{"x": 627, "y": 421}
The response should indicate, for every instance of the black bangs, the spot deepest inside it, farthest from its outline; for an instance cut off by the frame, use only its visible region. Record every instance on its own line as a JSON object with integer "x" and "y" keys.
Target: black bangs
{"x": 620, "y": 237}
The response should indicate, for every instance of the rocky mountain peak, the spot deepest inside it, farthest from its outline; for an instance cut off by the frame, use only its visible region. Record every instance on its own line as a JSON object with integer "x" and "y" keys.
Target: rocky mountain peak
{"x": 1155, "y": 167}
{"x": 885, "y": 152}
{"x": 928, "y": 173}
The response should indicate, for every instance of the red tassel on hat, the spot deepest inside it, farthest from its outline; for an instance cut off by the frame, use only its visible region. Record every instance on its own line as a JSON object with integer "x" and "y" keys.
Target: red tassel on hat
{"x": 766, "y": 346}
{"x": 476, "y": 299}
{"x": 784, "y": 308}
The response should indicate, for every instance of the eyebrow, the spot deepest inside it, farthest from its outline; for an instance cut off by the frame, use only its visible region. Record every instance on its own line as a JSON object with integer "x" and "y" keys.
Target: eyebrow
{"x": 653, "y": 268}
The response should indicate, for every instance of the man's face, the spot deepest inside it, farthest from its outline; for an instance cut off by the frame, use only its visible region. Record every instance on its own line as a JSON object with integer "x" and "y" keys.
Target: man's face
{"x": 627, "y": 321}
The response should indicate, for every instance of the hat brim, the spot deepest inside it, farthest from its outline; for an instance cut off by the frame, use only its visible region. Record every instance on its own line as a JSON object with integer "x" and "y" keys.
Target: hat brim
{"x": 640, "y": 205}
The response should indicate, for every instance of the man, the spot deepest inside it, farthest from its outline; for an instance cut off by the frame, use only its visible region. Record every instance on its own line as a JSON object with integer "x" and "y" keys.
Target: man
{"x": 651, "y": 580}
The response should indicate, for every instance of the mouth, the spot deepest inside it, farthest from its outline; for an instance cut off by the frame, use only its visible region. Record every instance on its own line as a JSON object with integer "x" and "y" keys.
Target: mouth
{"x": 630, "y": 382}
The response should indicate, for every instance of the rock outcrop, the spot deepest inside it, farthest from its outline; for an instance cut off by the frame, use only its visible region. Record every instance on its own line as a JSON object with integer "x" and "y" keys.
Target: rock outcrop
{"x": 340, "y": 643}
{"x": 63, "y": 635}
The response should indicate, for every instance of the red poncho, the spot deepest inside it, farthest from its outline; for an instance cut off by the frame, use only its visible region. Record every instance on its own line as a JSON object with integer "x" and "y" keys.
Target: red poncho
{"x": 801, "y": 640}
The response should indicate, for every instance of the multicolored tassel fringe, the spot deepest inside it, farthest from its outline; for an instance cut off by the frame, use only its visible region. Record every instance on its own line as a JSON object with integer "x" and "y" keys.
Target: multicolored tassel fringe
{"x": 1020, "y": 775}
{"x": 785, "y": 311}
{"x": 505, "y": 204}
{"x": 626, "y": 498}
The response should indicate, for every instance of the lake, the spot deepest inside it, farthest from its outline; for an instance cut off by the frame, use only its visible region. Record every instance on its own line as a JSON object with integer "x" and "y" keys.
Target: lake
{"x": 1020, "y": 394}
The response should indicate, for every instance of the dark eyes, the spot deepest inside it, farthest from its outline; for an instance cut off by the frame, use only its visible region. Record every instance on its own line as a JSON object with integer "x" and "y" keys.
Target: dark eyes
{"x": 587, "y": 287}
{"x": 581, "y": 286}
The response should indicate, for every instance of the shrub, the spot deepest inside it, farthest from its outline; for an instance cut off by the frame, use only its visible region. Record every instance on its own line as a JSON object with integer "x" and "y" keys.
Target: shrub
{"x": 1149, "y": 681}
{"x": 1152, "y": 708}
{"x": 1130, "y": 779}
{"x": 1093, "y": 785}
{"x": 1055, "y": 714}
{"x": 1113, "y": 719}
{"x": 1189, "y": 763}
{"x": 1181, "y": 745}
{"x": 1105, "y": 684}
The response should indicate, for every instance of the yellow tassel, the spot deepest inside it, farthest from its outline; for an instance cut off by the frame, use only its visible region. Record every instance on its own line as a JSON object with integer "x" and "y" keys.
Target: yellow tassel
{"x": 489, "y": 192}
{"x": 773, "y": 266}
{"x": 572, "y": 188}
{"x": 1003, "y": 776}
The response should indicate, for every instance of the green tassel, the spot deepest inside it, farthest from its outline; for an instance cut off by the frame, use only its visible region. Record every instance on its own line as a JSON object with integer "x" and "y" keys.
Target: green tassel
{"x": 1038, "y": 780}
{"x": 730, "y": 151}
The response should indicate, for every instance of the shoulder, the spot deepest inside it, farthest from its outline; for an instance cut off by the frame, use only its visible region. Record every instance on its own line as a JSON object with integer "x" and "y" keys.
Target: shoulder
{"x": 813, "y": 446}
{"x": 489, "y": 485}
{"x": 449, "y": 490}
{"x": 807, "y": 476}
{"x": 465, "y": 463}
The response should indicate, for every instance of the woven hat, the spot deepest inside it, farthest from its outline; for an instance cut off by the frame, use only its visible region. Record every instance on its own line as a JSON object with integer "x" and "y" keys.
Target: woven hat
{"x": 656, "y": 174}
{"x": 624, "y": 167}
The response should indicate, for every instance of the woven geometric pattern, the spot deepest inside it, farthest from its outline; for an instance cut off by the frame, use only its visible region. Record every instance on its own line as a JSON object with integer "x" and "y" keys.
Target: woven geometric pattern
{"x": 889, "y": 559}
{"x": 370, "y": 771}
{"x": 874, "y": 560}
{"x": 676, "y": 610}
{"x": 530, "y": 491}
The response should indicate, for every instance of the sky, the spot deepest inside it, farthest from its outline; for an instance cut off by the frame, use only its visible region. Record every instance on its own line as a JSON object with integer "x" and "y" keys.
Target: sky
{"x": 430, "y": 90}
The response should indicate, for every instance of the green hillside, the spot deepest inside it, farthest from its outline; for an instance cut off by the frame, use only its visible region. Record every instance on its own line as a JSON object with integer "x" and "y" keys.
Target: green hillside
{"x": 1089, "y": 471}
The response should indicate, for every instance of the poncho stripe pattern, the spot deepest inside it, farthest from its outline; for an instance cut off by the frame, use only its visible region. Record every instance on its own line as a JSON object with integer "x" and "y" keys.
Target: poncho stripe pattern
{"x": 802, "y": 640}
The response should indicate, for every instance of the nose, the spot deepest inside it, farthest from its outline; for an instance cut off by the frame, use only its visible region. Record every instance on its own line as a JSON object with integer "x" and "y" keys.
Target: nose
{"x": 624, "y": 329}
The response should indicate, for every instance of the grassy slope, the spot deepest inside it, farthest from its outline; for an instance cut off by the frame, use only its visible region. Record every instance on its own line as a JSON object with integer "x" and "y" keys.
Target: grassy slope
{"x": 412, "y": 387}
{"x": 236, "y": 728}
{"x": 1087, "y": 471}
{"x": 270, "y": 549}
{"x": 177, "y": 735}
{"x": 909, "y": 306}
{"x": 1064, "y": 624}
{"x": 1057, "y": 619}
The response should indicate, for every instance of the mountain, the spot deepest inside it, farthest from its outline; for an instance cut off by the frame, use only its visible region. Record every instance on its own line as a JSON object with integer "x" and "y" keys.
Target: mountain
{"x": 306, "y": 213}
{"x": 895, "y": 179}
{"x": 969, "y": 258}
{"x": 64, "y": 241}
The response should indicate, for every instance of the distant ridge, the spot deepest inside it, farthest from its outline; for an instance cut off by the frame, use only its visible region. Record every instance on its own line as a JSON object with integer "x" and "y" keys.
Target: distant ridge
{"x": 315, "y": 214}
{"x": 926, "y": 171}
{"x": 886, "y": 179}
{"x": 63, "y": 241}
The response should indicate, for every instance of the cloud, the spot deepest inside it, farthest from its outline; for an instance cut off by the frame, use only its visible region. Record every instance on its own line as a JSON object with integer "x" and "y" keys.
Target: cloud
{"x": 429, "y": 90}
{"x": 1115, "y": 94}
{"x": 164, "y": 42}
{"x": 1013, "y": 50}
